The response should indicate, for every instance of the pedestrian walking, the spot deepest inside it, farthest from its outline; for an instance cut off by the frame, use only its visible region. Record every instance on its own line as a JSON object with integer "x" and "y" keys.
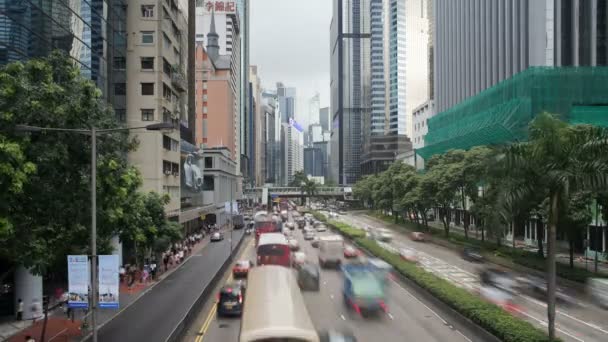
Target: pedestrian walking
{"x": 153, "y": 269}
{"x": 166, "y": 261}
{"x": 19, "y": 309}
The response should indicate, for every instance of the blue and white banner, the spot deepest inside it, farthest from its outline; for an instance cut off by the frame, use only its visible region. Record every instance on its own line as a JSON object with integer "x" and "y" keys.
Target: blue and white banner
{"x": 109, "y": 282}
{"x": 78, "y": 281}
{"x": 296, "y": 125}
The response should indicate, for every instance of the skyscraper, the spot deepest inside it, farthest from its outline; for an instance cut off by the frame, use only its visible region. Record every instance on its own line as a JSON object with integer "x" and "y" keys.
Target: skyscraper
{"x": 407, "y": 62}
{"x": 92, "y": 32}
{"x": 376, "y": 122}
{"x": 324, "y": 119}
{"x": 350, "y": 85}
{"x": 503, "y": 38}
{"x": 313, "y": 110}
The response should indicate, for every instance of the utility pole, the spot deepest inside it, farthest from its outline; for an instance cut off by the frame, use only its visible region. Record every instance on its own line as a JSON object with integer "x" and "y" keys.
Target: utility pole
{"x": 93, "y": 299}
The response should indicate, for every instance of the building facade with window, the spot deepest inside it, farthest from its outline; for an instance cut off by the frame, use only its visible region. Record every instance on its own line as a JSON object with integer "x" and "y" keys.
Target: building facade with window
{"x": 220, "y": 183}
{"x": 350, "y": 79}
{"x": 93, "y": 33}
{"x": 156, "y": 91}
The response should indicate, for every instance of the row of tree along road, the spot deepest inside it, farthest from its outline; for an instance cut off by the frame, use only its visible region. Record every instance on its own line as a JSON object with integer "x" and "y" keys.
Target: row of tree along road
{"x": 555, "y": 176}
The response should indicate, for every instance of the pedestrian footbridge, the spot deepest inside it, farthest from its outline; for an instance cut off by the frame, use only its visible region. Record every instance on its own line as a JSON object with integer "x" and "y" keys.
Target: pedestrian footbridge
{"x": 288, "y": 191}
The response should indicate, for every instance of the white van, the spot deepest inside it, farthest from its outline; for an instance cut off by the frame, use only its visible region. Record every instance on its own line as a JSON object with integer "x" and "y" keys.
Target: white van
{"x": 331, "y": 250}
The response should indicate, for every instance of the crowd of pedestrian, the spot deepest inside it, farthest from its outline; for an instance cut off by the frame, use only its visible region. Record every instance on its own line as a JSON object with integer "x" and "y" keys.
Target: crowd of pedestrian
{"x": 177, "y": 253}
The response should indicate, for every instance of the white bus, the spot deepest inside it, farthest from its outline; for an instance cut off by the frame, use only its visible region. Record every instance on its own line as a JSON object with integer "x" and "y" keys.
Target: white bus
{"x": 274, "y": 308}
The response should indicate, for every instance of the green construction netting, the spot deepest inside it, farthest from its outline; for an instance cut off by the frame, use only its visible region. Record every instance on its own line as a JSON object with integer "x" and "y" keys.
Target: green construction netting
{"x": 502, "y": 113}
{"x": 593, "y": 115}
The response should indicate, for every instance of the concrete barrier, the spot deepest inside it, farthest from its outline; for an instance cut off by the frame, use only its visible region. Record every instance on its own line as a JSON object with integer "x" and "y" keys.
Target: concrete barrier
{"x": 181, "y": 328}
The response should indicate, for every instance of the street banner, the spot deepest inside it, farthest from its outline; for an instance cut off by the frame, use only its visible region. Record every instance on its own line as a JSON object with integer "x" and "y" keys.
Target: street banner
{"x": 78, "y": 281}
{"x": 109, "y": 282}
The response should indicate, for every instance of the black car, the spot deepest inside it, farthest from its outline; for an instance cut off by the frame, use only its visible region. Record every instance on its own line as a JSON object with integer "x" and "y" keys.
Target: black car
{"x": 472, "y": 254}
{"x": 308, "y": 277}
{"x": 231, "y": 299}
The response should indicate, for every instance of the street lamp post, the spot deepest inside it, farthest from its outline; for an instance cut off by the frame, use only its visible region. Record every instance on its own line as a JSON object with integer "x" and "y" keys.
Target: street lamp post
{"x": 93, "y": 132}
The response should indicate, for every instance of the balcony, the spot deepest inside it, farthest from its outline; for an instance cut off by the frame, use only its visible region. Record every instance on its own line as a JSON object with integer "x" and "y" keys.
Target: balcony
{"x": 178, "y": 79}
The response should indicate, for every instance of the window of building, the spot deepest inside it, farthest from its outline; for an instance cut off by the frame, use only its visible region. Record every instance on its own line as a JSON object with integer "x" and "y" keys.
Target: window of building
{"x": 204, "y": 84}
{"x": 147, "y": 11}
{"x": 167, "y": 92}
{"x": 170, "y": 144}
{"x": 166, "y": 115}
{"x": 120, "y": 89}
{"x": 120, "y": 63}
{"x": 208, "y": 183}
{"x": 121, "y": 114}
{"x": 147, "y": 37}
{"x": 204, "y": 128}
{"x": 147, "y": 88}
{"x": 147, "y": 63}
{"x": 208, "y": 162}
{"x": 166, "y": 42}
{"x": 166, "y": 67}
{"x": 199, "y": 3}
{"x": 147, "y": 115}
{"x": 205, "y": 109}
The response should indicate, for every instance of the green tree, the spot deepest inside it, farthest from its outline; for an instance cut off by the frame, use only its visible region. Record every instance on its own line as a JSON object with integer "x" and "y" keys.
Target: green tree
{"x": 299, "y": 180}
{"x": 51, "y": 213}
{"x": 571, "y": 159}
{"x": 363, "y": 190}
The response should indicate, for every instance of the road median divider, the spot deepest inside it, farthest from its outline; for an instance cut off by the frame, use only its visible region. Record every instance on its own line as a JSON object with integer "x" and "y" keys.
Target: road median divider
{"x": 489, "y": 317}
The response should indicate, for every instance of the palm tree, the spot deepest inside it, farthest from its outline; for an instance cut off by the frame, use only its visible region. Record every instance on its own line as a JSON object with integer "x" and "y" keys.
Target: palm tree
{"x": 299, "y": 179}
{"x": 569, "y": 158}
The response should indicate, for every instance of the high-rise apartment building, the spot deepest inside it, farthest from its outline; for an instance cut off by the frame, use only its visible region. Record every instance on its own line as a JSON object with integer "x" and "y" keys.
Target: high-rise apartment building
{"x": 286, "y": 101}
{"x": 156, "y": 91}
{"x": 350, "y": 85}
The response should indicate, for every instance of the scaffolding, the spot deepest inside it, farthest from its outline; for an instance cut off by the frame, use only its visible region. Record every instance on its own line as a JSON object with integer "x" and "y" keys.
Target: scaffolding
{"x": 501, "y": 114}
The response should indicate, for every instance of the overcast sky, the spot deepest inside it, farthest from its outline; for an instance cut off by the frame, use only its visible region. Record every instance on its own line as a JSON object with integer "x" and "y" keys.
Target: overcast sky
{"x": 290, "y": 43}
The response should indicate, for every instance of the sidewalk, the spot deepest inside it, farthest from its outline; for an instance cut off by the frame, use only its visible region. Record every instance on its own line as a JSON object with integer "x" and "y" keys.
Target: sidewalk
{"x": 60, "y": 328}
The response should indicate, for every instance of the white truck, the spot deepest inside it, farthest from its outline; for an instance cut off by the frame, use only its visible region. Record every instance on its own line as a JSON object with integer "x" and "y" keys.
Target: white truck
{"x": 331, "y": 250}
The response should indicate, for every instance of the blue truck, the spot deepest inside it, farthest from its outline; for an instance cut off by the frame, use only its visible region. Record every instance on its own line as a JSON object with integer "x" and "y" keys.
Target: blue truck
{"x": 364, "y": 288}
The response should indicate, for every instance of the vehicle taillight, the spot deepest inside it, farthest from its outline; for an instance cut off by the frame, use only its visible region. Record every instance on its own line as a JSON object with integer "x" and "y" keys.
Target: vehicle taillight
{"x": 240, "y": 299}
{"x": 383, "y": 306}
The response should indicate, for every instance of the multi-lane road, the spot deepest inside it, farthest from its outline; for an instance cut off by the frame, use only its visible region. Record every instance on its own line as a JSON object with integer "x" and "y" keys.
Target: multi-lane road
{"x": 409, "y": 318}
{"x": 579, "y": 321}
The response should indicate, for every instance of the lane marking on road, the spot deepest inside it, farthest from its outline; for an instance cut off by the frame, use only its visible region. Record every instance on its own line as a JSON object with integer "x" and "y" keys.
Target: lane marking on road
{"x": 544, "y": 323}
{"x": 390, "y": 316}
{"x": 463, "y": 336}
{"x": 343, "y": 318}
{"x": 203, "y": 330}
{"x": 564, "y": 314}
{"x": 207, "y": 323}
